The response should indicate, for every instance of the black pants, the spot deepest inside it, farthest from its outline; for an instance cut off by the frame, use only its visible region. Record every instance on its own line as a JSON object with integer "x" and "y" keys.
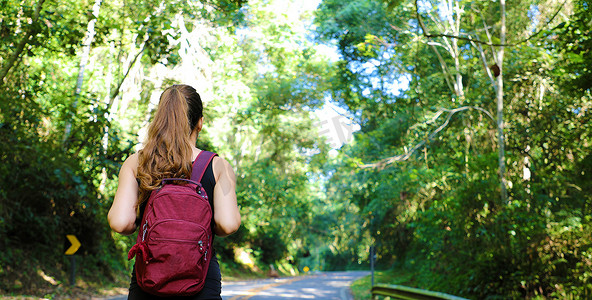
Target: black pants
{"x": 211, "y": 290}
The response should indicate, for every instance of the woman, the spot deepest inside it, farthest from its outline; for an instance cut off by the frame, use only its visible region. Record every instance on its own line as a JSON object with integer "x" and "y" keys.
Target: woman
{"x": 168, "y": 153}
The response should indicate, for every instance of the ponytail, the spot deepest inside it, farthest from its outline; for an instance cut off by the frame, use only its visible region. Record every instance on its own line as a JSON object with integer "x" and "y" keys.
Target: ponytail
{"x": 168, "y": 151}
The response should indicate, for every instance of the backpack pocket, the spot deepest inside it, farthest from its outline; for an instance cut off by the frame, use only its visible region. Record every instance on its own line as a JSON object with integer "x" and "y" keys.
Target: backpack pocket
{"x": 177, "y": 256}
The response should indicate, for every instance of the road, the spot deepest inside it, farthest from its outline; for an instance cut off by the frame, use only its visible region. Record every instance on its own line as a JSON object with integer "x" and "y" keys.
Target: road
{"x": 325, "y": 286}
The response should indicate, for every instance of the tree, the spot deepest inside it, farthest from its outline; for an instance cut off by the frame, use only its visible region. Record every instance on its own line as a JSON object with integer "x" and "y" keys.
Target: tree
{"x": 261, "y": 119}
{"x": 48, "y": 188}
{"x": 437, "y": 207}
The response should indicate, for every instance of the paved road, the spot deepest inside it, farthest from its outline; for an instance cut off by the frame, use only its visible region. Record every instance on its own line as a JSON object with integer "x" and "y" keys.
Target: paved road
{"x": 327, "y": 285}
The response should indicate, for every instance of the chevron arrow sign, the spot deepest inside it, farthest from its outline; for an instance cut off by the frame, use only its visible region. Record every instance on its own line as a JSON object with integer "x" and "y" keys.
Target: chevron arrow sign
{"x": 75, "y": 244}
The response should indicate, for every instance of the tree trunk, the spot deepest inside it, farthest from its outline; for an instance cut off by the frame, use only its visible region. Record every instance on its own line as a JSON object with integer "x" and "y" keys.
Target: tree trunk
{"x": 88, "y": 39}
{"x": 500, "y": 103}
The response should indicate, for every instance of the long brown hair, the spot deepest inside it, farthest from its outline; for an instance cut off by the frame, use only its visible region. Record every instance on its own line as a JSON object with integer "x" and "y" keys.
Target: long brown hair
{"x": 167, "y": 151}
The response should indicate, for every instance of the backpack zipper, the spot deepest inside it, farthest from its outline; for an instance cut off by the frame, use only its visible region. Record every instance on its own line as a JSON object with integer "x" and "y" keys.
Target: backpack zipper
{"x": 144, "y": 230}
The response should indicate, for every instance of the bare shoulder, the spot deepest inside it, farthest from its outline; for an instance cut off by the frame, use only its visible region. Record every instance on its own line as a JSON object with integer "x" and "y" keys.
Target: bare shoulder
{"x": 221, "y": 166}
{"x": 133, "y": 158}
{"x": 131, "y": 163}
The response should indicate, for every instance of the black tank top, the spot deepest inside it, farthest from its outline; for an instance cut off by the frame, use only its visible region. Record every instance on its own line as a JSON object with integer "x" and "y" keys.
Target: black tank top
{"x": 208, "y": 181}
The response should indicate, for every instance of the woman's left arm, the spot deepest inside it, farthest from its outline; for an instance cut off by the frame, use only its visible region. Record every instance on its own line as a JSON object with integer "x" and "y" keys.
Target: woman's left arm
{"x": 122, "y": 215}
{"x": 227, "y": 218}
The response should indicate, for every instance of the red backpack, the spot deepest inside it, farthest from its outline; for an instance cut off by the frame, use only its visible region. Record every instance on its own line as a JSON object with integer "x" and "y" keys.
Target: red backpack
{"x": 173, "y": 248}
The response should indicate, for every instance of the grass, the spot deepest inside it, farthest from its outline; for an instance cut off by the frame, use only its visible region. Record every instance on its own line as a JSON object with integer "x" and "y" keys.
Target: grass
{"x": 232, "y": 271}
{"x": 361, "y": 287}
{"x": 38, "y": 273}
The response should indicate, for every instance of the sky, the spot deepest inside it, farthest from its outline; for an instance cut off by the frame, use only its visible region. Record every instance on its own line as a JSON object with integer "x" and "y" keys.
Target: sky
{"x": 333, "y": 123}
{"x": 335, "y": 126}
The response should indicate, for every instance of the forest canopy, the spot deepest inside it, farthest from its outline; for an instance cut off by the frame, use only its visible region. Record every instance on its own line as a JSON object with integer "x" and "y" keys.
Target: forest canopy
{"x": 470, "y": 163}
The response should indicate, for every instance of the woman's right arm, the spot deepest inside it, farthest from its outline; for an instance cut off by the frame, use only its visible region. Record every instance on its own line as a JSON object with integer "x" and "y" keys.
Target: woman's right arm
{"x": 122, "y": 215}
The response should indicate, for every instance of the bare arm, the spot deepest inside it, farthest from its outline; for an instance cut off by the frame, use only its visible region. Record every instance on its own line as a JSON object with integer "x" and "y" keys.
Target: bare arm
{"x": 122, "y": 215}
{"x": 227, "y": 217}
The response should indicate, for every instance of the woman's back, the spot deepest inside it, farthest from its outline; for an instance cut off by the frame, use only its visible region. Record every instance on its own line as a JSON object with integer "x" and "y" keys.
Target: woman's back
{"x": 168, "y": 153}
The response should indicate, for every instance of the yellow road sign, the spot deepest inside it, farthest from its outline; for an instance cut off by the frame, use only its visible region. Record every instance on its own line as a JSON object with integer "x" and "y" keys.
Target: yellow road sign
{"x": 75, "y": 244}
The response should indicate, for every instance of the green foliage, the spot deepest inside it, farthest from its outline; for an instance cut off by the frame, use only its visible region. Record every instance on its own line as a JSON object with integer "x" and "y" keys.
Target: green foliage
{"x": 572, "y": 38}
{"x": 61, "y": 150}
{"x": 361, "y": 288}
{"x": 437, "y": 211}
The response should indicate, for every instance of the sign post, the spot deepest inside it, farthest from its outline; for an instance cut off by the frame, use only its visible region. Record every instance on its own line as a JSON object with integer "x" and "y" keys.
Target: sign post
{"x": 70, "y": 251}
{"x": 372, "y": 259}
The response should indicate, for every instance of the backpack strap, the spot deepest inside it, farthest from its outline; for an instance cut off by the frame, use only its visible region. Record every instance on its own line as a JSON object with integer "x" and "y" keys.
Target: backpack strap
{"x": 201, "y": 163}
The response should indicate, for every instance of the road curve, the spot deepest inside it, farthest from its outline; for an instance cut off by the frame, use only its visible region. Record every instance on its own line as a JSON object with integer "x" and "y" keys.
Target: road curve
{"x": 326, "y": 285}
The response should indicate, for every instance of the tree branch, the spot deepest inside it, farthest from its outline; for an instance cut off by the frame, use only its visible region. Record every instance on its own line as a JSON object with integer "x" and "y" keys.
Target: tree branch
{"x": 115, "y": 92}
{"x": 484, "y": 61}
{"x": 486, "y": 28}
{"x": 21, "y": 45}
{"x": 471, "y": 40}
{"x": 449, "y": 79}
{"x": 402, "y": 157}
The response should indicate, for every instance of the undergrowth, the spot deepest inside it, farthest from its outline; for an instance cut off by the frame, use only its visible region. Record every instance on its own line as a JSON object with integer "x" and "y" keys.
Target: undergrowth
{"x": 361, "y": 288}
